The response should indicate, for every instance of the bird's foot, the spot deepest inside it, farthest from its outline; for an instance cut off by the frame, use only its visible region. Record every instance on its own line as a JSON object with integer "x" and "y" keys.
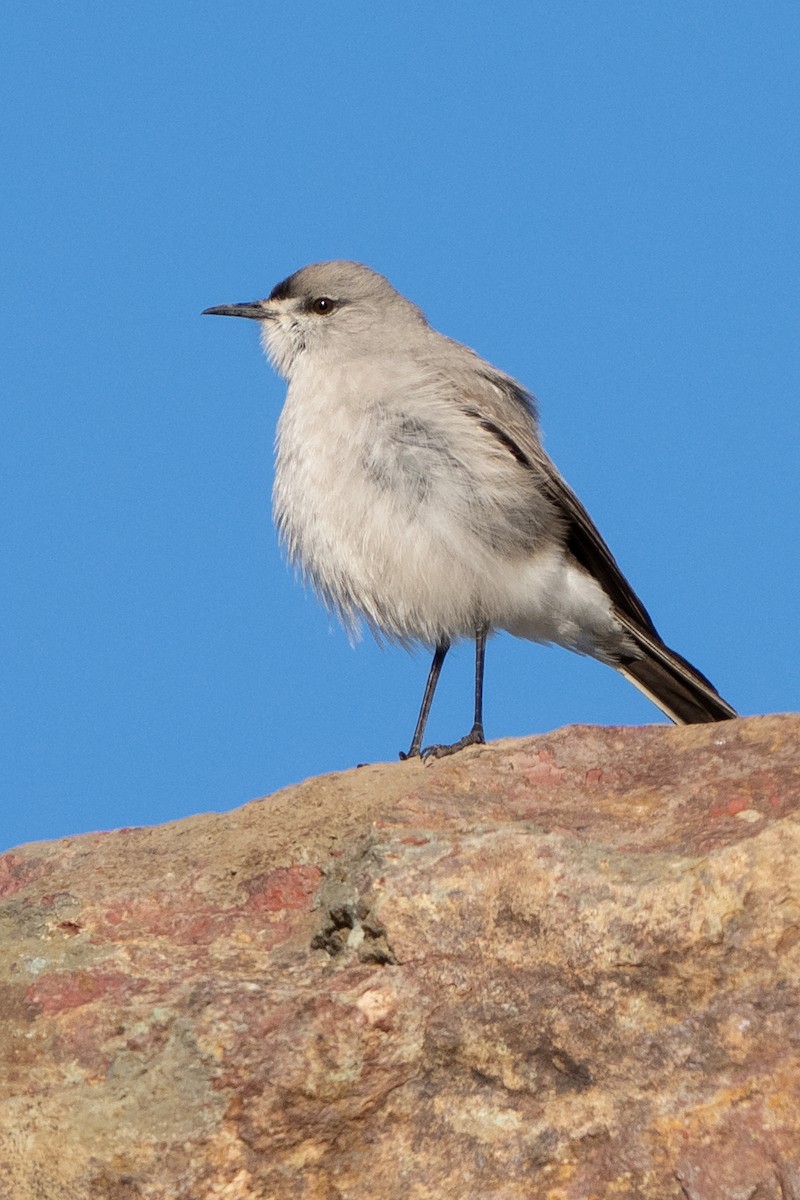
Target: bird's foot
{"x": 475, "y": 737}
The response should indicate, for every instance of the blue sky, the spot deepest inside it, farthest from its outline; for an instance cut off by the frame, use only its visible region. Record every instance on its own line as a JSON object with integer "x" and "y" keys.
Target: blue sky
{"x": 600, "y": 198}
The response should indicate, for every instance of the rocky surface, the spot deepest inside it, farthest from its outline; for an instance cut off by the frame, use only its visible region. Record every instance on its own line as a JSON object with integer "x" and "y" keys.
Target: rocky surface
{"x": 563, "y": 967}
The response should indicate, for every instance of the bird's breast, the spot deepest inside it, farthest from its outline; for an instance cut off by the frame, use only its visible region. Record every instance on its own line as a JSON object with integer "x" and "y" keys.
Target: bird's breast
{"x": 397, "y": 504}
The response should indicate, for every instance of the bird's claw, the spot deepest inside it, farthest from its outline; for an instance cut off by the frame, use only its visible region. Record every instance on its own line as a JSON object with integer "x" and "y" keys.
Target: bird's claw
{"x": 475, "y": 737}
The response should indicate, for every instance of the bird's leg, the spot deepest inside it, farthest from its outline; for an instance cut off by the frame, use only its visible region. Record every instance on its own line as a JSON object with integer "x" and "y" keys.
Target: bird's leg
{"x": 427, "y": 699}
{"x": 475, "y": 735}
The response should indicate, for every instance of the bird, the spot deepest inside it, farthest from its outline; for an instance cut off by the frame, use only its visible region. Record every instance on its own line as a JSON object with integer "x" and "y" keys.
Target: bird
{"x": 413, "y": 492}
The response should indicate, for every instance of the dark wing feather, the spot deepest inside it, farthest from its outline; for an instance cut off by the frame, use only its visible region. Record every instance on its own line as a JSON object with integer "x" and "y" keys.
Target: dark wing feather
{"x": 584, "y": 543}
{"x": 671, "y": 682}
{"x": 582, "y": 537}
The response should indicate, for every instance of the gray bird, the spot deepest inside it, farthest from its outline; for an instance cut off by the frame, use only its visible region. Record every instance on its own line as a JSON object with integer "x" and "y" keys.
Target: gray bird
{"x": 412, "y": 490}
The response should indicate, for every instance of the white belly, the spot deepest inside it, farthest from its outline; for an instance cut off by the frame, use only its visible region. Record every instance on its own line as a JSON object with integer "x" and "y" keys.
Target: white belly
{"x": 386, "y": 530}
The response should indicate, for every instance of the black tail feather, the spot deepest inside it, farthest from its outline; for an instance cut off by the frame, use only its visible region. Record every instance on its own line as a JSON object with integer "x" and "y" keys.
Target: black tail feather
{"x": 672, "y": 683}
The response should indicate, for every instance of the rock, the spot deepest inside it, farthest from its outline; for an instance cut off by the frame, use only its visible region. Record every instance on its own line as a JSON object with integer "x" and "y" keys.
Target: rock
{"x": 562, "y": 967}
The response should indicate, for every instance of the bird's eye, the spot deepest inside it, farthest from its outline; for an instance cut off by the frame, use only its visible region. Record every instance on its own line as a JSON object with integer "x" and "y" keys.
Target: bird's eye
{"x": 323, "y": 306}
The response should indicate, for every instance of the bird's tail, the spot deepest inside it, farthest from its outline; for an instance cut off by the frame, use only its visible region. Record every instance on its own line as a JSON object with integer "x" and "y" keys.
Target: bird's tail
{"x": 671, "y": 682}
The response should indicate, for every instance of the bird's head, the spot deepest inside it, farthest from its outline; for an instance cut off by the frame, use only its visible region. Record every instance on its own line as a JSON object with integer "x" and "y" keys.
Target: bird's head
{"x": 332, "y": 311}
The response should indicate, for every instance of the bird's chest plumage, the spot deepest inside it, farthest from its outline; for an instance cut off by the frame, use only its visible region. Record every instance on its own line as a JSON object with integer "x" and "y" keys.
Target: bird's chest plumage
{"x": 365, "y": 489}
{"x": 322, "y": 493}
{"x": 342, "y": 468}
{"x": 400, "y": 506}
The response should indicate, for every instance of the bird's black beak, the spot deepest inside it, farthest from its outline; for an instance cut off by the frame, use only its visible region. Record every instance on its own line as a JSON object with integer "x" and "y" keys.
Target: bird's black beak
{"x": 254, "y": 309}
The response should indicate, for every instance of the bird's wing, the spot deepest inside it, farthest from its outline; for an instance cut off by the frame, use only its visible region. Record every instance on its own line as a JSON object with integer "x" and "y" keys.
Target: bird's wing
{"x": 585, "y": 544}
{"x": 507, "y": 412}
